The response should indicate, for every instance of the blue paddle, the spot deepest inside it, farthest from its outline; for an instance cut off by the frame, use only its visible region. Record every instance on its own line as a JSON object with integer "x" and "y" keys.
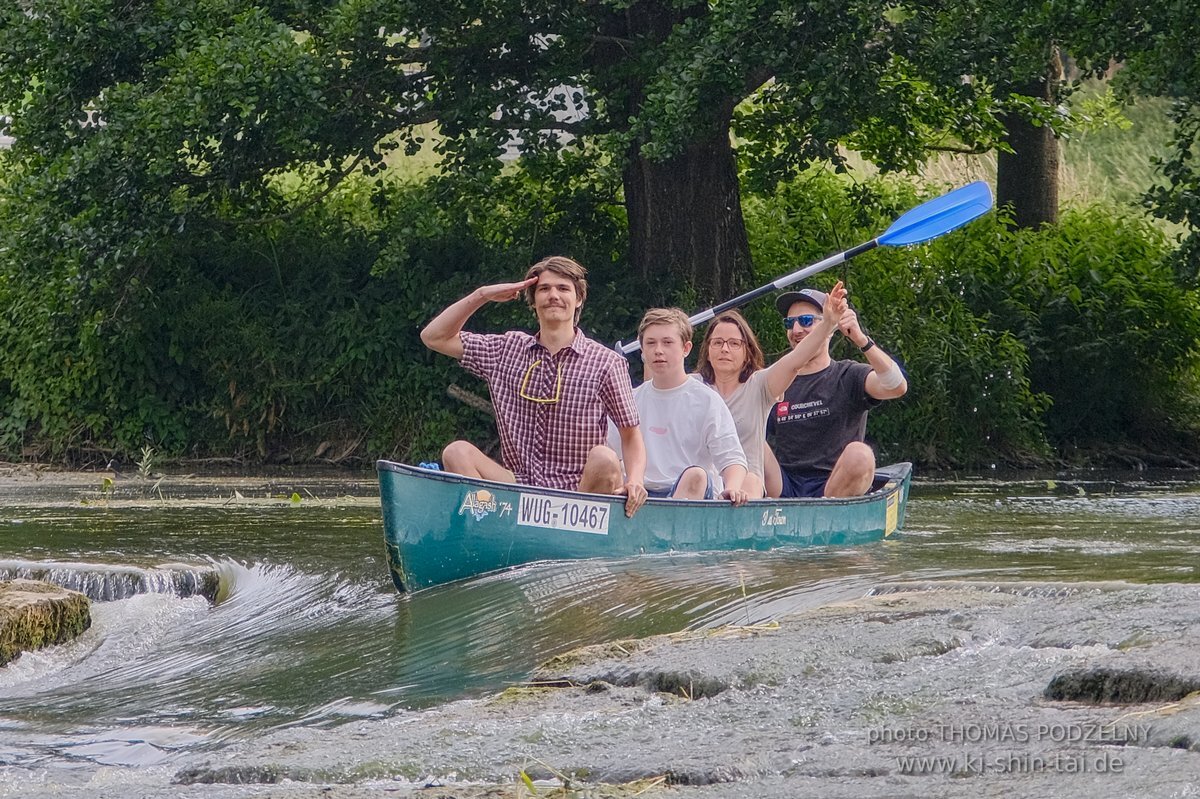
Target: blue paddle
{"x": 927, "y": 221}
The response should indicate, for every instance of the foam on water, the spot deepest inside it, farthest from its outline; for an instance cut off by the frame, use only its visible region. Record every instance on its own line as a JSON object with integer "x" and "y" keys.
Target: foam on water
{"x": 106, "y": 582}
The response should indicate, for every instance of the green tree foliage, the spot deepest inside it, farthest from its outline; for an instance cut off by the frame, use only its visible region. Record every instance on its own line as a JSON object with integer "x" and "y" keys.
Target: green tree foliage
{"x": 142, "y": 118}
{"x": 300, "y": 337}
{"x": 1110, "y": 332}
{"x": 297, "y": 336}
{"x": 195, "y": 253}
{"x": 1155, "y": 44}
{"x": 1178, "y": 197}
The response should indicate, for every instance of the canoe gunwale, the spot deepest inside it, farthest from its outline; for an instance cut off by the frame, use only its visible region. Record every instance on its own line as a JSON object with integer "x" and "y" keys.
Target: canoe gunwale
{"x": 895, "y": 474}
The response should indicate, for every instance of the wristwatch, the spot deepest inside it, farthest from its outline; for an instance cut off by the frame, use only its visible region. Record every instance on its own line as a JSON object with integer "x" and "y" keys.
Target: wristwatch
{"x": 870, "y": 343}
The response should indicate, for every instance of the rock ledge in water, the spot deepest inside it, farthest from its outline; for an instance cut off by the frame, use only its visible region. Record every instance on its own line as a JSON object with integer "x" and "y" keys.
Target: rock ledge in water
{"x": 1101, "y": 686}
{"x": 35, "y": 614}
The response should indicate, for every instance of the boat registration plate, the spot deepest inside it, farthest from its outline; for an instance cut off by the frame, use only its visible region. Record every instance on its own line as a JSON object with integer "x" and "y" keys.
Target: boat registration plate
{"x": 577, "y": 515}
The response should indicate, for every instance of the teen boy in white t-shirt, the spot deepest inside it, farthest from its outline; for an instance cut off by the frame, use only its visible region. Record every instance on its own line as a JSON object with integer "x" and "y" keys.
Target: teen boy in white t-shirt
{"x": 690, "y": 438}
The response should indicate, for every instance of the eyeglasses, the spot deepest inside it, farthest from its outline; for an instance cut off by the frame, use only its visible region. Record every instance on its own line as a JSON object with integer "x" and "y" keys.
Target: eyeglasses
{"x": 523, "y": 391}
{"x": 805, "y": 320}
{"x": 721, "y": 343}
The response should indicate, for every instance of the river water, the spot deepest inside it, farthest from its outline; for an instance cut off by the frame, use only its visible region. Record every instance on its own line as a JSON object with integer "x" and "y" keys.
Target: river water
{"x": 307, "y": 634}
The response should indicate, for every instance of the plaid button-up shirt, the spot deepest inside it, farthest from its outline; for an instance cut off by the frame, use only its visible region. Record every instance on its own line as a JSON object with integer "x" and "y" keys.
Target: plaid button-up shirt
{"x": 547, "y": 443}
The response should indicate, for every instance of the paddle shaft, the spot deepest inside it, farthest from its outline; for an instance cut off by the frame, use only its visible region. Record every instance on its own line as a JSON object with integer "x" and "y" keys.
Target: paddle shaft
{"x": 927, "y": 221}
{"x": 708, "y": 315}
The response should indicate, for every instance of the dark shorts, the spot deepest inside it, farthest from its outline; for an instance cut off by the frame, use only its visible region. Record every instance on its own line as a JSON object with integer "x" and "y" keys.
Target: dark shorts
{"x": 801, "y": 487}
{"x": 666, "y": 492}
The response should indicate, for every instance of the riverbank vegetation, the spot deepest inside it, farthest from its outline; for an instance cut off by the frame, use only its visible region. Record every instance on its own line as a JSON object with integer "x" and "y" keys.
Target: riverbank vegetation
{"x": 227, "y": 259}
{"x": 299, "y": 340}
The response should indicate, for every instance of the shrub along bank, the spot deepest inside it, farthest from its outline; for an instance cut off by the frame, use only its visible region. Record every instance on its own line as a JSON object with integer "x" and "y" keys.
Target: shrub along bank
{"x": 1076, "y": 341}
{"x": 297, "y": 339}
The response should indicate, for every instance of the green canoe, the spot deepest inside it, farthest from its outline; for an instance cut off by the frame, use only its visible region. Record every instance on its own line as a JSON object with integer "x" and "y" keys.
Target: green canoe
{"x": 441, "y": 527}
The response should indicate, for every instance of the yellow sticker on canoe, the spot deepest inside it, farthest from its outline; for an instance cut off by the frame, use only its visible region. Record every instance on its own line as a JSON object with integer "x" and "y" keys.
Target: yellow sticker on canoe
{"x": 893, "y": 511}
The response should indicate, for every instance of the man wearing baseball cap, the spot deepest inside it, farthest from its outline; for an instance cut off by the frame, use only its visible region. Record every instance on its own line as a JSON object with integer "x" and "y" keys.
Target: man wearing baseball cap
{"x": 821, "y": 421}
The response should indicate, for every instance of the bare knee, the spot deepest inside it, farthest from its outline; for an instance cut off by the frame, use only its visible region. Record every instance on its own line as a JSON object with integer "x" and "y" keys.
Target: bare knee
{"x": 853, "y": 473}
{"x": 603, "y": 457}
{"x": 602, "y": 472}
{"x": 692, "y": 483}
{"x": 858, "y": 458}
{"x": 463, "y": 457}
{"x": 458, "y": 455}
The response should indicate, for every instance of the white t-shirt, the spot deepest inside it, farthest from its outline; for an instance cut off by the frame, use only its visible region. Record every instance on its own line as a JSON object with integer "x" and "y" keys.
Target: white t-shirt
{"x": 689, "y": 425}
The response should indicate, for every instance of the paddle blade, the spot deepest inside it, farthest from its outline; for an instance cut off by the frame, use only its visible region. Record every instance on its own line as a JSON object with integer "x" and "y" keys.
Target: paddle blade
{"x": 941, "y": 215}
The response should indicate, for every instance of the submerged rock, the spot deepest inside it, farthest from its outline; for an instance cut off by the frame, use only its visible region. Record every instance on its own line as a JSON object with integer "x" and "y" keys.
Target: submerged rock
{"x": 36, "y": 614}
{"x": 1120, "y": 686}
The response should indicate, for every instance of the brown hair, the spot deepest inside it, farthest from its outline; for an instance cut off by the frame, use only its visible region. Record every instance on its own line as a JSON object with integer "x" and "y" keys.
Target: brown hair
{"x": 667, "y": 316}
{"x": 560, "y": 265}
{"x": 755, "y": 359}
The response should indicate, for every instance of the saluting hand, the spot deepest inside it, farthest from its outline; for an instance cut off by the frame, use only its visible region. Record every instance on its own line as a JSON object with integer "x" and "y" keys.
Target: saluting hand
{"x": 503, "y": 292}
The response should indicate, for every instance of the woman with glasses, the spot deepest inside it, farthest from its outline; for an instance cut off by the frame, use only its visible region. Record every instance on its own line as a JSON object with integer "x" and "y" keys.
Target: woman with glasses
{"x": 731, "y": 361}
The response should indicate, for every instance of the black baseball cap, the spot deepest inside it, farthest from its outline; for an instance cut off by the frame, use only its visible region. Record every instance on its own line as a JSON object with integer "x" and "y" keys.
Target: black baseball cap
{"x": 785, "y": 301}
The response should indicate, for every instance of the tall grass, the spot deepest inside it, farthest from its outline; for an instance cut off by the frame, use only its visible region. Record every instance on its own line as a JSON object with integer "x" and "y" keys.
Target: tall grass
{"x": 1108, "y": 160}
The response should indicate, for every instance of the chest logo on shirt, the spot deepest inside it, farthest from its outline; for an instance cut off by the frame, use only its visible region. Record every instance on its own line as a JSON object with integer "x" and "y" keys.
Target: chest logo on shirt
{"x": 798, "y": 411}
{"x": 659, "y": 431}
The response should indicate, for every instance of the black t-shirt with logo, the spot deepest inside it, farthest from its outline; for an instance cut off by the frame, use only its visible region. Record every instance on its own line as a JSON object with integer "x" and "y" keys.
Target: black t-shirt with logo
{"x": 819, "y": 415}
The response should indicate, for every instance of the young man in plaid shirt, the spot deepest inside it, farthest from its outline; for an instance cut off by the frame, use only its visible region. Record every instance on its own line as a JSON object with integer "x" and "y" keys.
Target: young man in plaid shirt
{"x": 553, "y": 393}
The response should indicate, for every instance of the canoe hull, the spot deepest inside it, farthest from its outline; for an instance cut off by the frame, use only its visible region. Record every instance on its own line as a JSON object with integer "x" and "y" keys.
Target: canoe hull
{"x": 441, "y": 527}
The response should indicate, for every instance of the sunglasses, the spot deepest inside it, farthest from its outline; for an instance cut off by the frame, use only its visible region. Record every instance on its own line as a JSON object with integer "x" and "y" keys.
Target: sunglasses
{"x": 804, "y": 319}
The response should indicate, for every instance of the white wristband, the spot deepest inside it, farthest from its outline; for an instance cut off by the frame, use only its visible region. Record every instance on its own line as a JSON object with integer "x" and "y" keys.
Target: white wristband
{"x": 892, "y": 378}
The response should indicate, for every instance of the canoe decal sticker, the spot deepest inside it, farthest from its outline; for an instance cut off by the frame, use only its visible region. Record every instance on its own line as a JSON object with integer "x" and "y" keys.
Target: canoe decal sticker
{"x": 773, "y": 518}
{"x": 481, "y": 503}
{"x": 893, "y": 512}
{"x": 556, "y": 513}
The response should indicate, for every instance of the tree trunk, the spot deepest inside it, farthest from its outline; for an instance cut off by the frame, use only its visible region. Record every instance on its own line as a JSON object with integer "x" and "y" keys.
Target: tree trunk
{"x": 1027, "y": 178}
{"x": 685, "y": 218}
